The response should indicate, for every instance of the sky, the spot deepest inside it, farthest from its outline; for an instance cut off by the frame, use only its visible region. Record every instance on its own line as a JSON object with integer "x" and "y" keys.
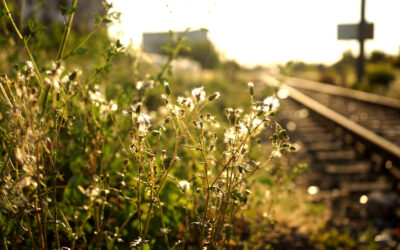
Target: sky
{"x": 265, "y": 31}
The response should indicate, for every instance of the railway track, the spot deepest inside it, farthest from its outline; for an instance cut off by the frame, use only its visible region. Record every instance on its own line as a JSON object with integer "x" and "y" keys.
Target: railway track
{"x": 351, "y": 141}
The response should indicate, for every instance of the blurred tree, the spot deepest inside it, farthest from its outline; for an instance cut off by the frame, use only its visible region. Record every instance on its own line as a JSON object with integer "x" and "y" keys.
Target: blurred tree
{"x": 378, "y": 56}
{"x": 344, "y": 66}
{"x": 380, "y": 74}
{"x": 230, "y": 67}
{"x": 204, "y": 52}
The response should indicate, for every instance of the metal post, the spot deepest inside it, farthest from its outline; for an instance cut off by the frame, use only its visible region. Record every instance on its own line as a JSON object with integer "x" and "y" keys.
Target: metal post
{"x": 361, "y": 58}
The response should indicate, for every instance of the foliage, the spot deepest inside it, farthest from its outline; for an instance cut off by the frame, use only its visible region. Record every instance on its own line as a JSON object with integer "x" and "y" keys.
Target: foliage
{"x": 203, "y": 52}
{"x": 88, "y": 164}
{"x": 333, "y": 240}
{"x": 379, "y": 73}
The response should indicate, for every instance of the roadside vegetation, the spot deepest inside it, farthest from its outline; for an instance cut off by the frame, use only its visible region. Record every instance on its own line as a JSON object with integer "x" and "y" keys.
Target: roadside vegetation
{"x": 100, "y": 149}
{"x": 382, "y": 73}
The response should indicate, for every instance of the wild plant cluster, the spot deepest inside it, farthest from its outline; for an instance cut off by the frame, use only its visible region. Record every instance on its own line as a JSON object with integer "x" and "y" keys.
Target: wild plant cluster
{"x": 79, "y": 170}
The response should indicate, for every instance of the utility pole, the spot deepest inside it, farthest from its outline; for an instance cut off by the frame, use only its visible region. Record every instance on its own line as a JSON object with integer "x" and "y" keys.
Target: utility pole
{"x": 361, "y": 58}
{"x": 360, "y": 31}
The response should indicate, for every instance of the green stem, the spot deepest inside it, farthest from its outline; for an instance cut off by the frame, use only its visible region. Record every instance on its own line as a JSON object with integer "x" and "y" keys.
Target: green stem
{"x": 84, "y": 40}
{"x": 5, "y": 243}
{"x": 172, "y": 55}
{"x": 23, "y": 3}
{"x": 30, "y": 231}
{"x": 37, "y": 75}
{"x": 12, "y": 20}
{"x": 163, "y": 223}
{"x": 177, "y": 139}
{"x": 146, "y": 226}
{"x": 66, "y": 31}
{"x": 5, "y": 96}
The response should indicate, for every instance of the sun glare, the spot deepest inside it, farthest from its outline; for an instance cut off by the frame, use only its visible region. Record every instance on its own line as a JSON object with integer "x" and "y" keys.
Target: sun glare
{"x": 262, "y": 32}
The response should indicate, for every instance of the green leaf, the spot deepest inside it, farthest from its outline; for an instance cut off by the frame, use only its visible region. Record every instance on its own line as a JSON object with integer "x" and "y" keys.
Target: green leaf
{"x": 62, "y": 9}
{"x": 2, "y": 12}
{"x": 80, "y": 50}
{"x": 35, "y": 26}
{"x": 106, "y": 20}
{"x": 31, "y": 26}
{"x": 66, "y": 11}
{"x": 97, "y": 18}
{"x": 34, "y": 57}
{"x": 266, "y": 180}
{"x": 40, "y": 27}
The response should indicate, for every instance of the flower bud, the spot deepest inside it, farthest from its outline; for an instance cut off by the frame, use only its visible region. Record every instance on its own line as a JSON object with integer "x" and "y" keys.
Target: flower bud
{"x": 251, "y": 87}
{"x": 167, "y": 90}
{"x": 216, "y": 95}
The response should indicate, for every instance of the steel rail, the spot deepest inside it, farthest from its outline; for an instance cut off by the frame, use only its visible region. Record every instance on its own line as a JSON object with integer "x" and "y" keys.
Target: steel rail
{"x": 343, "y": 121}
{"x": 339, "y": 119}
{"x": 341, "y": 91}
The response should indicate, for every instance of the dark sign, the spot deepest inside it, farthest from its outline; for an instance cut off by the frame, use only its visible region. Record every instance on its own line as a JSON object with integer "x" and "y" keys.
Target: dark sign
{"x": 351, "y": 31}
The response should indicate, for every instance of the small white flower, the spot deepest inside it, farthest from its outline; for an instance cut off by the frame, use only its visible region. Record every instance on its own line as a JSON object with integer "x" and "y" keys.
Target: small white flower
{"x": 276, "y": 154}
{"x": 96, "y": 97}
{"x": 185, "y": 185}
{"x": 65, "y": 79}
{"x": 136, "y": 242}
{"x": 243, "y": 127}
{"x": 250, "y": 84}
{"x": 181, "y": 100}
{"x": 144, "y": 118}
{"x": 139, "y": 85}
{"x": 165, "y": 230}
{"x": 113, "y": 106}
{"x": 144, "y": 122}
{"x": 199, "y": 94}
{"x": 271, "y": 104}
{"x": 29, "y": 65}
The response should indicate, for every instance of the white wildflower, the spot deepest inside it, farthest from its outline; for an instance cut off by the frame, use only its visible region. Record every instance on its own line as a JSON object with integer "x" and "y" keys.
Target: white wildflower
{"x": 243, "y": 128}
{"x": 65, "y": 79}
{"x": 139, "y": 85}
{"x": 181, "y": 100}
{"x": 136, "y": 242}
{"x": 113, "y": 106}
{"x": 165, "y": 230}
{"x": 29, "y": 64}
{"x": 144, "y": 122}
{"x": 276, "y": 154}
{"x": 144, "y": 118}
{"x": 271, "y": 104}
{"x": 185, "y": 185}
{"x": 97, "y": 97}
{"x": 199, "y": 94}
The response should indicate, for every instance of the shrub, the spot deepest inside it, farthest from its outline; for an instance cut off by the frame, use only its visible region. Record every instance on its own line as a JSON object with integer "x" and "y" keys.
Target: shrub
{"x": 379, "y": 74}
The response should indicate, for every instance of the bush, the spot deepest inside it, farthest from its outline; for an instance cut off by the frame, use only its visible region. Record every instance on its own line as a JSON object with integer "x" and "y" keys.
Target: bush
{"x": 379, "y": 74}
{"x": 203, "y": 52}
